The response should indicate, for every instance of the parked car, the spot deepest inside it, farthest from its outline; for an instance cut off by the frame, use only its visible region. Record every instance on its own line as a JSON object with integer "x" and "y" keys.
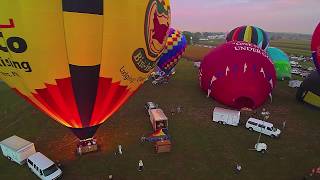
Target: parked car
{"x": 262, "y": 127}
{"x": 17, "y": 149}
{"x": 43, "y": 167}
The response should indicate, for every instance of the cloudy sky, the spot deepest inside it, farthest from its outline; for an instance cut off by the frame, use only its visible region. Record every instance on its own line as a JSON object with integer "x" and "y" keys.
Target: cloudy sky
{"x": 299, "y": 16}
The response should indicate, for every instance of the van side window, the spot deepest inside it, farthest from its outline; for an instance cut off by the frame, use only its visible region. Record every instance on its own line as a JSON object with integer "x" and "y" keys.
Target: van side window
{"x": 252, "y": 123}
{"x": 30, "y": 162}
{"x": 261, "y": 126}
{"x": 269, "y": 128}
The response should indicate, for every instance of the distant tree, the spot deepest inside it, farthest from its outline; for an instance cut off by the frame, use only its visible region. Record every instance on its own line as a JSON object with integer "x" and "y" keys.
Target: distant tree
{"x": 188, "y": 36}
{"x": 196, "y": 36}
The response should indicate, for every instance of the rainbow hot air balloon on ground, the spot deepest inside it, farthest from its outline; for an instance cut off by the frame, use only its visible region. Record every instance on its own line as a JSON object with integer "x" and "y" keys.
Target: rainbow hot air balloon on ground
{"x": 315, "y": 47}
{"x": 175, "y": 47}
{"x": 281, "y": 62}
{"x": 250, "y": 34}
{"x": 238, "y": 74}
{"x": 79, "y": 61}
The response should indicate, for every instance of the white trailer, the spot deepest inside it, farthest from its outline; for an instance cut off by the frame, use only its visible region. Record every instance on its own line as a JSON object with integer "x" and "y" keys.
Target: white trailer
{"x": 17, "y": 149}
{"x": 226, "y": 116}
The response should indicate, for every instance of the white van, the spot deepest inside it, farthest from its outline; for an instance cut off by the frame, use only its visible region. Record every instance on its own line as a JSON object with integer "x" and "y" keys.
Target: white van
{"x": 43, "y": 167}
{"x": 226, "y": 116}
{"x": 17, "y": 149}
{"x": 263, "y": 127}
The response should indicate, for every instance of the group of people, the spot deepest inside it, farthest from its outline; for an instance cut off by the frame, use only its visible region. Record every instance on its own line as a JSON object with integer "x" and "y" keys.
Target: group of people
{"x": 266, "y": 115}
{"x": 120, "y": 152}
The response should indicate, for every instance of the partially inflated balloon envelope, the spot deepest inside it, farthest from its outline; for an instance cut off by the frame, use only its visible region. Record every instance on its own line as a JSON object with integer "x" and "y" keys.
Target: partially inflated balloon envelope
{"x": 309, "y": 91}
{"x": 238, "y": 74}
{"x": 250, "y": 34}
{"x": 281, "y": 62}
{"x": 79, "y": 60}
{"x": 175, "y": 47}
{"x": 315, "y": 47}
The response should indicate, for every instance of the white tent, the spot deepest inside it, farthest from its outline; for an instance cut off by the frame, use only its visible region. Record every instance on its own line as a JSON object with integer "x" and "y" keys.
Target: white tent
{"x": 294, "y": 83}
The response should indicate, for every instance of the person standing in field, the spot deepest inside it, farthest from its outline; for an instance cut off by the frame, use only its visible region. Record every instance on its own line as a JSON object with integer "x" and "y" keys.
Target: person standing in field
{"x": 283, "y": 125}
{"x": 140, "y": 164}
{"x": 265, "y": 114}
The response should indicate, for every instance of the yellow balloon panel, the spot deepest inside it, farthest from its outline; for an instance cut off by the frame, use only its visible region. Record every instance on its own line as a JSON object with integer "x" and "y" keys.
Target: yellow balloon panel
{"x": 84, "y": 40}
{"x": 38, "y": 25}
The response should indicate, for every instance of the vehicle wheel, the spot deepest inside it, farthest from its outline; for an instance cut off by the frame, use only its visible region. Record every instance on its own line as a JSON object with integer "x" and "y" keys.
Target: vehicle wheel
{"x": 263, "y": 151}
{"x": 250, "y": 129}
{"x": 273, "y": 136}
{"x": 220, "y": 122}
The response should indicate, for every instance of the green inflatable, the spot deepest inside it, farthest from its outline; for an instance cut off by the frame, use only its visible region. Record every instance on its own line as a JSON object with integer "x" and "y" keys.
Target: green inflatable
{"x": 281, "y": 63}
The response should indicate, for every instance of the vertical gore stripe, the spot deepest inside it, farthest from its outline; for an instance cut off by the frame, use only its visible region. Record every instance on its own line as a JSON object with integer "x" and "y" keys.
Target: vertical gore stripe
{"x": 85, "y": 84}
{"x": 260, "y": 37}
{"x": 229, "y": 36}
{"x": 254, "y": 38}
{"x": 247, "y": 34}
{"x": 241, "y": 33}
{"x": 83, "y": 6}
{"x": 265, "y": 40}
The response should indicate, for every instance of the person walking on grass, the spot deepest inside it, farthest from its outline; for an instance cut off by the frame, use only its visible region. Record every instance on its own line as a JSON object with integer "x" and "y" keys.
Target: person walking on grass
{"x": 238, "y": 168}
{"x": 283, "y": 125}
{"x": 140, "y": 164}
{"x": 265, "y": 114}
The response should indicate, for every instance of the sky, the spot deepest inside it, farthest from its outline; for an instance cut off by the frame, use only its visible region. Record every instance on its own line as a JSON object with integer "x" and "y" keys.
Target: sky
{"x": 298, "y": 16}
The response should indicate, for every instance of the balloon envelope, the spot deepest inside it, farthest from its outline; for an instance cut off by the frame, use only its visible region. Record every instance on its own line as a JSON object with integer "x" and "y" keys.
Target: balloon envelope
{"x": 309, "y": 91}
{"x": 250, "y": 34}
{"x": 315, "y": 47}
{"x": 76, "y": 60}
{"x": 237, "y": 74}
{"x": 281, "y": 62}
{"x": 175, "y": 47}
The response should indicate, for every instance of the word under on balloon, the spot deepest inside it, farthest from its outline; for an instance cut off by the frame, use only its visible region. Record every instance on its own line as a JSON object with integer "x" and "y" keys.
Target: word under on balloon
{"x": 243, "y": 46}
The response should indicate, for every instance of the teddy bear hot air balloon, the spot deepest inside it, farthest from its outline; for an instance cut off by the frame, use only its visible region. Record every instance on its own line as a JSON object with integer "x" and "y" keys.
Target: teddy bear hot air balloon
{"x": 79, "y": 61}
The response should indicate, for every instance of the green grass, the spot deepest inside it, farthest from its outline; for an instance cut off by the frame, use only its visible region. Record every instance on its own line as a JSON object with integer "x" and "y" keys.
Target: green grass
{"x": 201, "y": 149}
{"x": 293, "y": 47}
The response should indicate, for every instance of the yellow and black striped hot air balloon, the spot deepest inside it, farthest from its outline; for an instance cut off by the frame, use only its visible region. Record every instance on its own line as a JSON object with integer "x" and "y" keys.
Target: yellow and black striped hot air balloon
{"x": 79, "y": 60}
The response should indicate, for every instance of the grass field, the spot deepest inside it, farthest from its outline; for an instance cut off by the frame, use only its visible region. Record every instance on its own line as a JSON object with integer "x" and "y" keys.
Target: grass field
{"x": 201, "y": 149}
{"x": 293, "y": 47}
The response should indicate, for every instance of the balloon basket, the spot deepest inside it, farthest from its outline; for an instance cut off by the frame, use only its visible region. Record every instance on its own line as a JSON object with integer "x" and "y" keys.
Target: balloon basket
{"x": 86, "y": 146}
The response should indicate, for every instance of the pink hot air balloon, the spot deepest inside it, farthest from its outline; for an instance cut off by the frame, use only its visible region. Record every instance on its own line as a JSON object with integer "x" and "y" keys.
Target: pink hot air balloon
{"x": 315, "y": 47}
{"x": 238, "y": 74}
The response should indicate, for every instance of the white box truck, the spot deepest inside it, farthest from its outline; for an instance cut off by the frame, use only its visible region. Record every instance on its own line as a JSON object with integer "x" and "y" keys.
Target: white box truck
{"x": 226, "y": 116}
{"x": 158, "y": 119}
{"x": 17, "y": 149}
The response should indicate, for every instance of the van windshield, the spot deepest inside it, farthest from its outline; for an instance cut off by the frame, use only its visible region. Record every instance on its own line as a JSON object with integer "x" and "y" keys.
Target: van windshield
{"x": 53, "y": 168}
